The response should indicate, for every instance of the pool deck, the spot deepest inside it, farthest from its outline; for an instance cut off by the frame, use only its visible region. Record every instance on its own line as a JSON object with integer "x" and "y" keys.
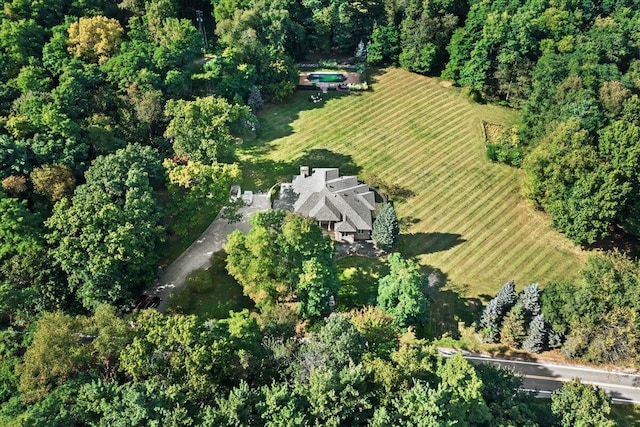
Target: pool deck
{"x": 303, "y": 83}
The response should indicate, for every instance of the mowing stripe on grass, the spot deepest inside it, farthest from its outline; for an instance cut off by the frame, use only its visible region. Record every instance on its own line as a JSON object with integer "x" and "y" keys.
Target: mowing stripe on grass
{"x": 412, "y": 132}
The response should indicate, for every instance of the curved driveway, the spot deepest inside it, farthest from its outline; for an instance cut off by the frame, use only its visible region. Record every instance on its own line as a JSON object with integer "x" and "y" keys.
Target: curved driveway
{"x": 198, "y": 254}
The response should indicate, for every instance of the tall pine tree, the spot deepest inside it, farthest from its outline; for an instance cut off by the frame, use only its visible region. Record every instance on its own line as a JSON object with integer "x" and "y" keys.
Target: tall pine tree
{"x": 386, "y": 228}
{"x": 492, "y": 315}
{"x": 536, "y": 336}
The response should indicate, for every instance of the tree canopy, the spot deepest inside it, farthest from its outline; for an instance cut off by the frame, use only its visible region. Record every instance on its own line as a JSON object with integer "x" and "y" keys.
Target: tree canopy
{"x": 304, "y": 267}
{"x": 401, "y": 292}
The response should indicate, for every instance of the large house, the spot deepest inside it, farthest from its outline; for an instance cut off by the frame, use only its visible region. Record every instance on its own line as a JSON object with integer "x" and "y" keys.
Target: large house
{"x": 343, "y": 206}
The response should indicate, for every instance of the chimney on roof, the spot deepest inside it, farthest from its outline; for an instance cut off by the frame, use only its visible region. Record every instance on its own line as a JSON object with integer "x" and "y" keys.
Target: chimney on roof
{"x": 304, "y": 171}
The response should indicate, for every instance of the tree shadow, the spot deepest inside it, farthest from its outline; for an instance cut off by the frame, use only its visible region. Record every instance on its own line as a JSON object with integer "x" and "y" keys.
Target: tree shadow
{"x": 275, "y": 120}
{"x": 323, "y": 158}
{"x": 618, "y": 240}
{"x": 411, "y": 245}
{"x": 408, "y": 221}
{"x": 390, "y": 191}
{"x": 449, "y": 307}
{"x": 373, "y": 75}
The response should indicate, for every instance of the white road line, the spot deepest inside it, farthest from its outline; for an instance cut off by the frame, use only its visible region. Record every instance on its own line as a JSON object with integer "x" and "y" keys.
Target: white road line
{"x": 614, "y": 399}
{"x": 577, "y": 368}
{"x": 566, "y": 380}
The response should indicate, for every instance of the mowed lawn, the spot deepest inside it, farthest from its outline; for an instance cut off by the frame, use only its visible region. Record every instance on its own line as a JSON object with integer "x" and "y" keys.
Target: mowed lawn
{"x": 464, "y": 215}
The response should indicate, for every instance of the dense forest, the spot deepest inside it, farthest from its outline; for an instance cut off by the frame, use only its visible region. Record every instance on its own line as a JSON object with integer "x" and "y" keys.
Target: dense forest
{"x": 111, "y": 122}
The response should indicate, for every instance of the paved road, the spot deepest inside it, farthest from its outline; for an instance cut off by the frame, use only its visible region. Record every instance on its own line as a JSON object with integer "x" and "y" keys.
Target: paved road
{"x": 197, "y": 255}
{"x": 546, "y": 377}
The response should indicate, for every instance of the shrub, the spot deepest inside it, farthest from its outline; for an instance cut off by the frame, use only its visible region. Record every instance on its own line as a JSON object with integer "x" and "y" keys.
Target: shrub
{"x": 358, "y": 86}
{"x": 328, "y": 63}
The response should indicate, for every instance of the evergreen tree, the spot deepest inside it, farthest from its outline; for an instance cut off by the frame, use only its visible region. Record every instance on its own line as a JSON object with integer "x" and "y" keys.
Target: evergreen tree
{"x": 492, "y": 314}
{"x": 386, "y": 228}
{"x": 514, "y": 327}
{"x": 530, "y": 299}
{"x": 536, "y": 336}
{"x": 361, "y": 52}
{"x": 255, "y": 101}
{"x": 490, "y": 321}
{"x": 506, "y": 296}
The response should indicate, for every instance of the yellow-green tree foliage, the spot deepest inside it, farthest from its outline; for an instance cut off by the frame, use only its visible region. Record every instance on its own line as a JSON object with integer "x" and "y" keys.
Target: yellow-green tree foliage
{"x": 53, "y": 181}
{"x": 94, "y": 39}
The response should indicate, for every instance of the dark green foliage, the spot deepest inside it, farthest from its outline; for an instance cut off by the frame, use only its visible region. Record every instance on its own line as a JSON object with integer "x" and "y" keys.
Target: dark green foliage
{"x": 599, "y": 317}
{"x": 578, "y": 404}
{"x": 342, "y": 24}
{"x": 424, "y": 34}
{"x": 384, "y": 46}
{"x": 318, "y": 284}
{"x": 340, "y": 342}
{"x": 105, "y": 239}
{"x": 19, "y": 229}
{"x": 202, "y": 130}
{"x": 386, "y": 228}
{"x": 501, "y": 389}
{"x": 401, "y": 292}
{"x": 109, "y": 404}
{"x": 505, "y": 154}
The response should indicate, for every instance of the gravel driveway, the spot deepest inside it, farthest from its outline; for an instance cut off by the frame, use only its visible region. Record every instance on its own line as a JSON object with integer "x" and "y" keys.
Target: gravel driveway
{"x": 197, "y": 255}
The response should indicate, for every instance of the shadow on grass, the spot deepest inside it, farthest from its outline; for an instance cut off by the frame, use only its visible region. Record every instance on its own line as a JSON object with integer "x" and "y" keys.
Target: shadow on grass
{"x": 415, "y": 244}
{"x": 359, "y": 281}
{"x": 449, "y": 306}
{"x": 210, "y": 293}
{"x": 391, "y": 191}
{"x": 276, "y": 119}
{"x": 619, "y": 240}
{"x": 261, "y": 173}
{"x": 625, "y": 415}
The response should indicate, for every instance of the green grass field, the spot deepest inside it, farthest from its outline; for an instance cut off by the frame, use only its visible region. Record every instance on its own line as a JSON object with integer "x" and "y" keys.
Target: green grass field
{"x": 464, "y": 215}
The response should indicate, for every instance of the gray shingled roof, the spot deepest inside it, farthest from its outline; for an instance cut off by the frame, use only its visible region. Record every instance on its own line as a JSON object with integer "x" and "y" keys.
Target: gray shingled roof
{"x": 326, "y": 196}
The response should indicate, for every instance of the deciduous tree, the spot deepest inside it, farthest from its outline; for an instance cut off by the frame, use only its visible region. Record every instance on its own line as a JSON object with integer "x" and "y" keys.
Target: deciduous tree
{"x": 95, "y": 39}
{"x": 401, "y": 292}
{"x": 203, "y": 129}
{"x": 578, "y": 404}
{"x": 106, "y": 237}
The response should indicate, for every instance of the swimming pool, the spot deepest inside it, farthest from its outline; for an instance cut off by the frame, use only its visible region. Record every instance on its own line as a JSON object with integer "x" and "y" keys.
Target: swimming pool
{"x": 326, "y": 77}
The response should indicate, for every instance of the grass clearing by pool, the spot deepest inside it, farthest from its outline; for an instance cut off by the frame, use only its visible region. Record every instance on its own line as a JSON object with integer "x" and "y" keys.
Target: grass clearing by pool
{"x": 465, "y": 215}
